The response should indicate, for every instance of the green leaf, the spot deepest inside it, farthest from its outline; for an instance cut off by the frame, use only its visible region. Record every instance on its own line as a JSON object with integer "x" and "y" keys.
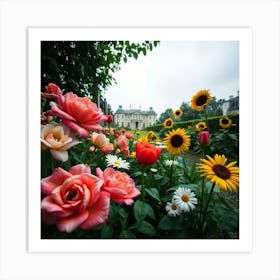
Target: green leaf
{"x": 170, "y": 223}
{"x": 227, "y": 205}
{"x": 226, "y": 220}
{"x": 123, "y": 217}
{"x": 153, "y": 192}
{"x": 127, "y": 234}
{"x": 146, "y": 228}
{"x": 151, "y": 212}
{"x": 107, "y": 231}
{"x": 140, "y": 210}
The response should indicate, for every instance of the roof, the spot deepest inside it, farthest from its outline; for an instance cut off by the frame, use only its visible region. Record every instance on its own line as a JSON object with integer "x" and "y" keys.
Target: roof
{"x": 135, "y": 111}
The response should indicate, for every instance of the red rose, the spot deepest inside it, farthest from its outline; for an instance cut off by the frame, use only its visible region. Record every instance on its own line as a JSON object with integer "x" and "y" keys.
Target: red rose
{"x": 146, "y": 153}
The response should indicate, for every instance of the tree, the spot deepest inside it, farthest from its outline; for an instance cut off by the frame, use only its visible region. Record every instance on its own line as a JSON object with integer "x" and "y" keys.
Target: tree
{"x": 86, "y": 67}
{"x": 165, "y": 115}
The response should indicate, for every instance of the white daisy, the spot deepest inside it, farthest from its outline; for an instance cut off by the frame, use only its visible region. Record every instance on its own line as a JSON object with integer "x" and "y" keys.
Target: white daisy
{"x": 154, "y": 170}
{"x": 172, "y": 209}
{"x": 116, "y": 161}
{"x": 184, "y": 199}
{"x": 169, "y": 162}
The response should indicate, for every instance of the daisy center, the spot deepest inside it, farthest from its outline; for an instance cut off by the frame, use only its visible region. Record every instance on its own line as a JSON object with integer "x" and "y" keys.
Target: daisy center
{"x": 176, "y": 141}
{"x": 117, "y": 163}
{"x": 221, "y": 171}
{"x": 201, "y": 100}
{"x": 224, "y": 121}
{"x": 173, "y": 207}
{"x": 185, "y": 197}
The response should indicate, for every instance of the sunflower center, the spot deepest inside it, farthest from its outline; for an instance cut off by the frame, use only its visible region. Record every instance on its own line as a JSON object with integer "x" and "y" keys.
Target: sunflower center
{"x": 221, "y": 171}
{"x": 168, "y": 123}
{"x": 201, "y": 100}
{"x": 177, "y": 113}
{"x": 176, "y": 141}
{"x": 185, "y": 197}
{"x": 173, "y": 207}
{"x": 224, "y": 121}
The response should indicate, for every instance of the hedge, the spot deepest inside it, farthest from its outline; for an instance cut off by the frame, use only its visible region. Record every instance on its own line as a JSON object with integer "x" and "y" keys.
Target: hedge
{"x": 213, "y": 123}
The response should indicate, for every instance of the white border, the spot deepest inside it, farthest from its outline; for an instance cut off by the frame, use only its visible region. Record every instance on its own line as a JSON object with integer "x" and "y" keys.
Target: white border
{"x": 243, "y": 35}
{"x": 262, "y": 16}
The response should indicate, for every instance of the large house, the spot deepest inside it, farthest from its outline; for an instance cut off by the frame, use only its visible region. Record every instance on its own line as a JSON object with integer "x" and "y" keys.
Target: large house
{"x": 134, "y": 118}
{"x": 231, "y": 105}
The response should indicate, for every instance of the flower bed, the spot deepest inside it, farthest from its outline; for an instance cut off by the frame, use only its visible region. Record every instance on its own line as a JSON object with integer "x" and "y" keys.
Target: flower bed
{"x": 99, "y": 182}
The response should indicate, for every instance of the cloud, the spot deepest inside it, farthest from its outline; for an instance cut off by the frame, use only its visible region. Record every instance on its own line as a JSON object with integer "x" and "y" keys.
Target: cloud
{"x": 174, "y": 71}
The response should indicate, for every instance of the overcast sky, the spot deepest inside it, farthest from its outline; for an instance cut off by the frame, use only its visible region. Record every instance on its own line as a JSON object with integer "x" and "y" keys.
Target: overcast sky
{"x": 173, "y": 72}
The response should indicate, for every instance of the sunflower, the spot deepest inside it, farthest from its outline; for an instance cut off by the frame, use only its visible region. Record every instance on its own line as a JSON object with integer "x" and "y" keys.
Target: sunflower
{"x": 200, "y": 126}
{"x": 143, "y": 138}
{"x": 178, "y": 113}
{"x": 168, "y": 123}
{"x": 151, "y": 136}
{"x": 177, "y": 141}
{"x": 225, "y": 122}
{"x": 216, "y": 170}
{"x": 200, "y": 100}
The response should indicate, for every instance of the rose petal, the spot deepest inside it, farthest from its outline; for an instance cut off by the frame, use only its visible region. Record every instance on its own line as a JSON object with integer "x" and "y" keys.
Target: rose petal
{"x": 67, "y": 146}
{"x": 99, "y": 173}
{"x": 127, "y": 201}
{"x": 49, "y": 205}
{"x": 71, "y": 223}
{"x": 59, "y": 155}
{"x": 56, "y": 111}
{"x": 94, "y": 185}
{"x": 98, "y": 213}
{"x": 58, "y": 176}
{"x": 80, "y": 168}
{"x": 94, "y": 126}
{"x": 75, "y": 127}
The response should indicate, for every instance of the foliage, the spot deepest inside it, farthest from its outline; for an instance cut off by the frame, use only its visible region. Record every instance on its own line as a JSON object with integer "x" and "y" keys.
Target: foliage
{"x": 87, "y": 67}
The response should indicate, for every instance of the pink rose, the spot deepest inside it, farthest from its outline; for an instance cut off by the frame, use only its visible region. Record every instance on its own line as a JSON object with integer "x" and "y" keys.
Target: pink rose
{"x": 120, "y": 186}
{"x": 129, "y": 135}
{"x": 74, "y": 199}
{"x": 123, "y": 145}
{"x": 78, "y": 113}
{"x": 52, "y": 91}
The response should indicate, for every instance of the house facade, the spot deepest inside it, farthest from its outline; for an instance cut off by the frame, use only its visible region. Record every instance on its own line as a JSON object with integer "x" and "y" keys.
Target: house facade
{"x": 231, "y": 105}
{"x": 134, "y": 118}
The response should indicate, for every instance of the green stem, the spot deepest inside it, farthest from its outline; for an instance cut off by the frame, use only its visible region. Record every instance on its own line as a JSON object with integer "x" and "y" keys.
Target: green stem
{"x": 205, "y": 209}
{"x": 142, "y": 181}
{"x": 202, "y": 184}
{"x": 171, "y": 169}
{"x": 206, "y": 119}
